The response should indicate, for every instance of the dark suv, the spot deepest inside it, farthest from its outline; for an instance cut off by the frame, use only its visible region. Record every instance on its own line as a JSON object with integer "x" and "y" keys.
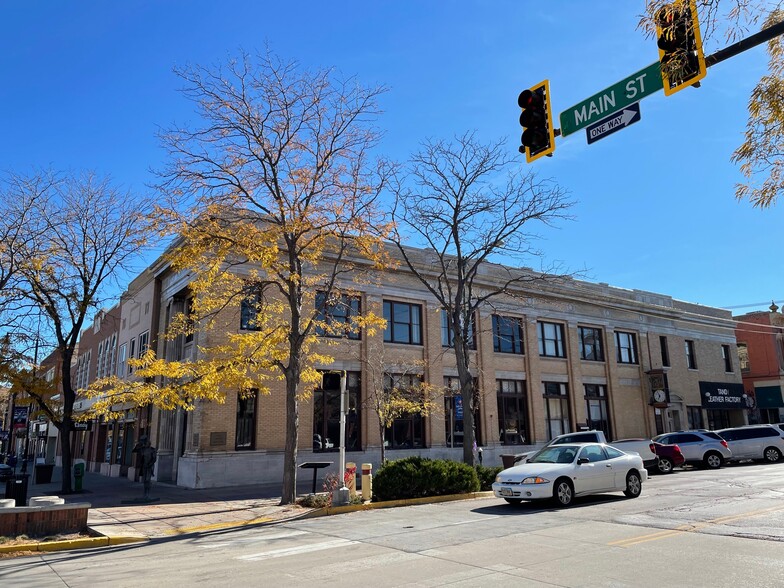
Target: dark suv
{"x": 704, "y": 448}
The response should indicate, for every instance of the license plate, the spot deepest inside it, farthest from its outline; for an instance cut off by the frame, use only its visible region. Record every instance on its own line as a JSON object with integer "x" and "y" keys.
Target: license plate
{"x": 506, "y": 492}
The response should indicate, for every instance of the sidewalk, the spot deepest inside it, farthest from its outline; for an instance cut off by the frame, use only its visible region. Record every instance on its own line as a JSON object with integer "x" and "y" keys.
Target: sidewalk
{"x": 114, "y": 514}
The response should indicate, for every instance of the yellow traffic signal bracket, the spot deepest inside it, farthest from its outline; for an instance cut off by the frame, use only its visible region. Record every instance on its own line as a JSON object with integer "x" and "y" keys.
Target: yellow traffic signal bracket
{"x": 680, "y": 14}
{"x": 542, "y": 89}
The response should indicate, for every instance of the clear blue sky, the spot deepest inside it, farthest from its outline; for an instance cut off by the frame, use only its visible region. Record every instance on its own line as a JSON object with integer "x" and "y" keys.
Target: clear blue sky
{"x": 86, "y": 85}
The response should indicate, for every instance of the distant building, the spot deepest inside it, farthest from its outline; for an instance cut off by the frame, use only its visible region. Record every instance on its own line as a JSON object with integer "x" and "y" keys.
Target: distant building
{"x": 760, "y": 338}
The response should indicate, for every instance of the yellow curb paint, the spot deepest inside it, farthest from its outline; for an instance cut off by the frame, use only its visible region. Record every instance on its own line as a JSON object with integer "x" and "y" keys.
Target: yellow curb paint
{"x": 335, "y": 510}
{"x": 74, "y": 544}
{"x": 214, "y": 526}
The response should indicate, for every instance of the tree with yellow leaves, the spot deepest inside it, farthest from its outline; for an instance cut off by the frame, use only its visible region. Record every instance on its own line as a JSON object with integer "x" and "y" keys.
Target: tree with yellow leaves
{"x": 281, "y": 188}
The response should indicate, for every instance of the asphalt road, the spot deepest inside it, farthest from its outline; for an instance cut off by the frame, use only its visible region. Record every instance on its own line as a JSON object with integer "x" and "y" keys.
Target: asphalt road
{"x": 691, "y": 528}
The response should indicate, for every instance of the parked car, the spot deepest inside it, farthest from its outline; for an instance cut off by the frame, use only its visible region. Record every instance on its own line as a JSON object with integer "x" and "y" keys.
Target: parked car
{"x": 704, "y": 448}
{"x": 670, "y": 457}
{"x": 764, "y": 442}
{"x": 563, "y": 472}
{"x": 644, "y": 447}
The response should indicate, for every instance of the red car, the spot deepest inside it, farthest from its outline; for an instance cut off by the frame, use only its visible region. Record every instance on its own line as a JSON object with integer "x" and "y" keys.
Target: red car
{"x": 670, "y": 456}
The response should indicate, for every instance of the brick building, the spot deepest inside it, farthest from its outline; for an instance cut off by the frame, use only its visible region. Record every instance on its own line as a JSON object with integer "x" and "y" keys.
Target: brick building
{"x": 760, "y": 337}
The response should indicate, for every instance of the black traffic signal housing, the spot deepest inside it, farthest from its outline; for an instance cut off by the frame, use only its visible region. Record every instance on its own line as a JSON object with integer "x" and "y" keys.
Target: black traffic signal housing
{"x": 680, "y": 45}
{"x": 536, "y": 118}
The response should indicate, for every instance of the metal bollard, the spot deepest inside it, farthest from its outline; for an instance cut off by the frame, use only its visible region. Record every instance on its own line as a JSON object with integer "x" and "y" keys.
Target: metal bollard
{"x": 367, "y": 481}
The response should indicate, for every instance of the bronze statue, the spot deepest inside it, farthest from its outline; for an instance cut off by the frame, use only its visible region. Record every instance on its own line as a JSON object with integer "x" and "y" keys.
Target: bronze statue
{"x": 147, "y": 457}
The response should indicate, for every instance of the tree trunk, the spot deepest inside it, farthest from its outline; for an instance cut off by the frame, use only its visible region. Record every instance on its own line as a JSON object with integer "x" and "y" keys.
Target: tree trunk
{"x": 289, "y": 491}
{"x": 69, "y": 398}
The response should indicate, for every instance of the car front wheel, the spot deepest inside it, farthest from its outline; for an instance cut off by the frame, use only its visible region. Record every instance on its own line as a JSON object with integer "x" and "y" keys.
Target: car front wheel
{"x": 664, "y": 466}
{"x": 713, "y": 460}
{"x": 772, "y": 455}
{"x": 633, "y": 485}
{"x": 563, "y": 492}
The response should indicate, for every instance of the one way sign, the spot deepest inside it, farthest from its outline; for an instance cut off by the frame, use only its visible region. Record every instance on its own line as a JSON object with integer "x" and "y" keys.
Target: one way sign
{"x": 614, "y": 122}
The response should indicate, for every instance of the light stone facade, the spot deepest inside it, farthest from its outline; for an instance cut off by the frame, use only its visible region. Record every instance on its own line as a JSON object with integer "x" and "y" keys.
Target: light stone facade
{"x": 197, "y": 448}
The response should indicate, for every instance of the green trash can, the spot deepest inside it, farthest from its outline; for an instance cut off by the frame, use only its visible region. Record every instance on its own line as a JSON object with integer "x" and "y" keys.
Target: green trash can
{"x": 78, "y": 472}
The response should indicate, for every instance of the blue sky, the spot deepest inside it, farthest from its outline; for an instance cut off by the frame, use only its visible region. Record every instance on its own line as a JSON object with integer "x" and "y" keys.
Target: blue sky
{"x": 87, "y": 84}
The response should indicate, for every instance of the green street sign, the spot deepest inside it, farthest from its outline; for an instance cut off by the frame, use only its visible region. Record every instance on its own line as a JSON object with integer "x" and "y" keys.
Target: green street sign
{"x": 645, "y": 82}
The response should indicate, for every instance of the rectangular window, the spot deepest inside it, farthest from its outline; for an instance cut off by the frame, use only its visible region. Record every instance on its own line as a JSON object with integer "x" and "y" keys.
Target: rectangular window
{"x": 245, "y": 432}
{"x": 408, "y": 429}
{"x": 121, "y": 360}
{"x": 725, "y": 355}
{"x": 556, "y": 407}
{"x": 665, "y": 351}
{"x": 453, "y": 412}
{"x": 508, "y": 335}
{"x": 551, "y": 340}
{"x": 189, "y": 320}
{"x": 591, "y": 346}
{"x": 335, "y": 317}
{"x": 691, "y": 358}
{"x": 596, "y": 408}
{"x": 326, "y": 413}
{"x": 743, "y": 357}
{"x": 626, "y": 345}
{"x": 512, "y": 412}
{"x": 718, "y": 419}
{"x": 144, "y": 343}
{"x": 249, "y": 310}
{"x": 694, "y": 416}
{"x": 131, "y": 354}
{"x": 404, "y": 323}
{"x": 448, "y": 337}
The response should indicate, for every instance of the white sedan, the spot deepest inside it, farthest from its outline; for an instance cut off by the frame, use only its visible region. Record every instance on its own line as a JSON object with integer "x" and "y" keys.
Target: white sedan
{"x": 563, "y": 472}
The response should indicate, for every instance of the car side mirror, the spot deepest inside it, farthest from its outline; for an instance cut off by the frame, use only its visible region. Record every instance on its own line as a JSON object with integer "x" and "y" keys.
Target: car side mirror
{"x": 582, "y": 460}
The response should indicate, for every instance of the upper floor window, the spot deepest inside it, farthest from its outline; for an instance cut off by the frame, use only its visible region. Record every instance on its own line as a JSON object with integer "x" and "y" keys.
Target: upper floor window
{"x": 551, "y": 340}
{"x": 335, "y": 316}
{"x": 725, "y": 355}
{"x": 404, "y": 323}
{"x": 665, "y": 351}
{"x": 189, "y": 319}
{"x": 591, "y": 346}
{"x": 691, "y": 358}
{"x": 250, "y": 306}
{"x": 144, "y": 343}
{"x": 626, "y": 344}
{"x": 508, "y": 335}
{"x": 743, "y": 357}
{"x": 131, "y": 354}
{"x": 448, "y": 335}
{"x": 123, "y": 355}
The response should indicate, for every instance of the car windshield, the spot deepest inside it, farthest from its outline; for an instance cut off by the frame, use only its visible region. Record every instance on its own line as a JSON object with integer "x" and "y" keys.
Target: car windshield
{"x": 555, "y": 454}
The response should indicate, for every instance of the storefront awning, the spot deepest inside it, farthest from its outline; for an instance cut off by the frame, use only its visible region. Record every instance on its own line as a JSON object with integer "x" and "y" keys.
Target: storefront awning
{"x": 769, "y": 397}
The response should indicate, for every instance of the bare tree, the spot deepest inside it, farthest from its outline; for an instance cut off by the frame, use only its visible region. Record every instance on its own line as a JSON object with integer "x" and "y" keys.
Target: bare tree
{"x": 288, "y": 152}
{"x": 467, "y": 201}
{"x": 83, "y": 234}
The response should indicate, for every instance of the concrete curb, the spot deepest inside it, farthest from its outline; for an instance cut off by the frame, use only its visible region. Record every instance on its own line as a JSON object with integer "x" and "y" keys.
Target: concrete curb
{"x": 85, "y": 543}
{"x": 335, "y": 510}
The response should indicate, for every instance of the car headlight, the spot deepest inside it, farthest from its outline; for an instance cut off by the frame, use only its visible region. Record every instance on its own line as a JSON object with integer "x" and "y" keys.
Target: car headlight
{"x": 498, "y": 478}
{"x": 535, "y": 480}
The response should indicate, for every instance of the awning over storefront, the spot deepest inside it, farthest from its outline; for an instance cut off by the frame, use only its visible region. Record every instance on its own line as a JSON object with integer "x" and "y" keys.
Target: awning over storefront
{"x": 722, "y": 395}
{"x": 769, "y": 397}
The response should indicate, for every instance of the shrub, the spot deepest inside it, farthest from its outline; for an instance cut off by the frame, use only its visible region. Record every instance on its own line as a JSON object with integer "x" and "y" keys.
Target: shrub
{"x": 487, "y": 476}
{"x": 415, "y": 477}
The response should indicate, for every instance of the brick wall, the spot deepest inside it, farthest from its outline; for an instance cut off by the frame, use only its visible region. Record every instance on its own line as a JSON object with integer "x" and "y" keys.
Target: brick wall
{"x": 37, "y": 521}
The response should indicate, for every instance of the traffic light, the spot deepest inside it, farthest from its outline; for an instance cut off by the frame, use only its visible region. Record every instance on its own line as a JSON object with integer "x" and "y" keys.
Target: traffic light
{"x": 680, "y": 45}
{"x": 537, "y": 119}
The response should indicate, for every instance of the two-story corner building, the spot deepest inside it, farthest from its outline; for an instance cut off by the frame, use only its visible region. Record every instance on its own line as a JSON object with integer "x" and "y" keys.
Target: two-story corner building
{"x": 549, "y": 357}
{"x": 760, "y": 337}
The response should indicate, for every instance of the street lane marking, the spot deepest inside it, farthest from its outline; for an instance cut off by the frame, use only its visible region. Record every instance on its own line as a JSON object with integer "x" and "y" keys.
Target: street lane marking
{"x": 476, "y": 520}
{"x": 690, "y": 527}
{"x": 215, "y": 526}
{"x": 254, "y": 539}
{"x": 297, "y": 550}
